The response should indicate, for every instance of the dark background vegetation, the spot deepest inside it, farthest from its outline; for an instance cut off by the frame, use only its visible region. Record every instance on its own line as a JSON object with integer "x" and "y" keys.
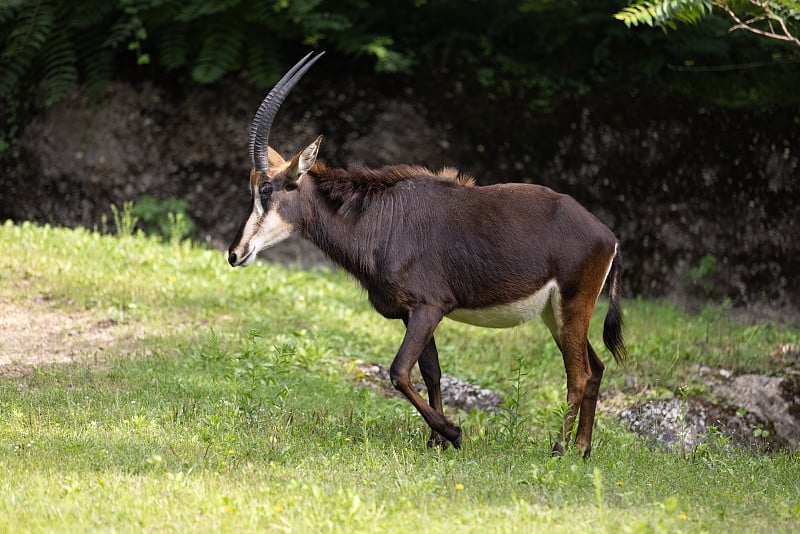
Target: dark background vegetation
{"x": 685, "y": 143}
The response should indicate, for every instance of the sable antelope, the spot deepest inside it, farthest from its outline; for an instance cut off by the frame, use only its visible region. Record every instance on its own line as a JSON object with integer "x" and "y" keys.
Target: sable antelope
{"x": 430, "y": 245}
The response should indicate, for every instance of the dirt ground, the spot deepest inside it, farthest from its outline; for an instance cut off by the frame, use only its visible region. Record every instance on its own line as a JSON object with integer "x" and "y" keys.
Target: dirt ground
{"x": 36, "y": 334}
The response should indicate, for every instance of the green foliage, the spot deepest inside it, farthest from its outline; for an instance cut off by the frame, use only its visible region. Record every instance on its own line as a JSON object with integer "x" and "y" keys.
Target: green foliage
{"x": 519, "y": 57}
{"x": 219, "y": 52}
{"x": 511, "y": 419}
{"x": 165, "y": 218}
{"x": 772, "y": 15}
{"x": 664, "y": 13}
{"x": 124, "y": 219}
{"x": 704, "y": 273}
{"x": 30, "y": 32}
{"x": 58, "y": 43}
{"x": 261, "y": 377}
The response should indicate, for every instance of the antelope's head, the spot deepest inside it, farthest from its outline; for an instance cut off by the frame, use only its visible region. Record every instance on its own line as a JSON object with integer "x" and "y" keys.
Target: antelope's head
{"x": 274, "y": 210}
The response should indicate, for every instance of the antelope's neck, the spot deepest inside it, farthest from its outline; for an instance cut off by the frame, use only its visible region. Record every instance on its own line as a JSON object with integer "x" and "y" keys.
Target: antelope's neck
{"x": 345, "y": 237}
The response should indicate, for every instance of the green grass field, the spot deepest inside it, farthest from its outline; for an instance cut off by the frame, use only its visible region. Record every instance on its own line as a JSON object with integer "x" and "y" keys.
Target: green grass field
{"x": 226, "y": 401}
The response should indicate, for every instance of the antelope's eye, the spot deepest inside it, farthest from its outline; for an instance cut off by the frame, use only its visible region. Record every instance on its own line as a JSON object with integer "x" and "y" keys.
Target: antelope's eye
{"x": 265, "y": 190}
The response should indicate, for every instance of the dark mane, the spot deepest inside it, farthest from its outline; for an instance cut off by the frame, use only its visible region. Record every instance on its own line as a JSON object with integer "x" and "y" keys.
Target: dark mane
{"x": 350, "y": 188}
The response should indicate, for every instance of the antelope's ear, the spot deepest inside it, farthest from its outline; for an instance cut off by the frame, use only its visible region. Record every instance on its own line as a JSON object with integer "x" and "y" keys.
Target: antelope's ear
{"x": 274, "y": 159}
{"x": 303, "y": 160}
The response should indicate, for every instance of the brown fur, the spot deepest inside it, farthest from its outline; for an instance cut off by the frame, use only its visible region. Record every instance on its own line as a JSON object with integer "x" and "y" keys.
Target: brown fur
{"x": 350, "y": 189}
{"x": 366, "y": 179}
{"x": 451, "y": 173}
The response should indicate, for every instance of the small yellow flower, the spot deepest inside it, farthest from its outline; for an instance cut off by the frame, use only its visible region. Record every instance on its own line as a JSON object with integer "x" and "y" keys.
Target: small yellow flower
{"x": 278, "y": 508}
{"x": 619, "y": 482}
{"x": 459, "y": 486}
{"x": 682, "y": 516}
{"x": 230, "y": 452}
{"x": 347, "y": 439}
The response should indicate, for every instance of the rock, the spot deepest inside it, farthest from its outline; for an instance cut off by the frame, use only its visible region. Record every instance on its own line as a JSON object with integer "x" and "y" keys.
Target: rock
{"x": 456, "y": 393}
{"x": 756, "y": 411}
{"x": 770, "y": 399}
{"x": 668, "y": 422}
{"x": 467, "y": 396}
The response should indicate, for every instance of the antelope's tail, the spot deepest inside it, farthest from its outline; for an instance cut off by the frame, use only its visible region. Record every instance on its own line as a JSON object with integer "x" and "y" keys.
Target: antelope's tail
{"x": 613, "y": 324}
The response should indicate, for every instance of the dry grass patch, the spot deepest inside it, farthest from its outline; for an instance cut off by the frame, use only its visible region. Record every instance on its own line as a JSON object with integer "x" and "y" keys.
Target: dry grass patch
{"x": 33, "y": 333}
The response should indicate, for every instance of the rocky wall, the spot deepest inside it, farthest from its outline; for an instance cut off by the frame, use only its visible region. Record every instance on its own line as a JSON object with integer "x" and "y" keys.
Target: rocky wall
{"x": 705, "y": 202}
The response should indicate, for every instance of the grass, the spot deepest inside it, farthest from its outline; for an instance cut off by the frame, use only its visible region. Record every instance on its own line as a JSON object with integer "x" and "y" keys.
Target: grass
{"x": 235, "y": 410}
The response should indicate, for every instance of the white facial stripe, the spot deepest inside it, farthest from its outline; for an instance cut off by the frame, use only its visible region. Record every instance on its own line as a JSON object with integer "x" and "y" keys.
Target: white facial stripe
{"x": 262, "y": 230}
{"x": 258, "y": 208}
{"x": 274, "y": 229}
{"x": 508, "y": 315}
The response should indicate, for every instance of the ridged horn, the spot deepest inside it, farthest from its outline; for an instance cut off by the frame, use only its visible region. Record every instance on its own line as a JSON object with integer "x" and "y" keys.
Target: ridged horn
{"x": 262, "y": 122}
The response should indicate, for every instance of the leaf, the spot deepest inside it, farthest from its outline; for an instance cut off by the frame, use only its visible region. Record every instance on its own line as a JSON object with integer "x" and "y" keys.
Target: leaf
{"x": 220, "y": 53}
{"x": 663, "y": 13}
{"x": 32, "y": 29}
{"x": 60, "y": 73}
{"x": 173, "y": 46}
{"x": 264, "y": 64}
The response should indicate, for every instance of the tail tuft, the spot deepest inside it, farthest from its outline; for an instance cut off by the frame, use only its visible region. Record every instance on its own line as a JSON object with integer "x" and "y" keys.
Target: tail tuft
{"x": 613, "y": 324}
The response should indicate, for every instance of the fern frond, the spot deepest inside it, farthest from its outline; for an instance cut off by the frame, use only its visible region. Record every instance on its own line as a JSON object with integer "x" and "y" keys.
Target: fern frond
{"x": 197, "y": 9}
{"x": 98, "y": 68}
{"x": 89, "y": 13}
{"x": 121, "y": 31}
{"x": 263, "y": 13}
{"x": 299, "y": 9}
{"x": 264, "y": 65}
{"x": 96, "y": 61}
{"x": 325, "y": 22}
{"x": 10, "y": 8}
{"x": 634, "y": 15}
{"x": 663, "y": 13}
{"x": 220, "y": 53}
{"x": 60, "y": 72}
{"x": 174, "y": 47}
{"x": 12, "y": 71}
{"x": 32, "y": 28}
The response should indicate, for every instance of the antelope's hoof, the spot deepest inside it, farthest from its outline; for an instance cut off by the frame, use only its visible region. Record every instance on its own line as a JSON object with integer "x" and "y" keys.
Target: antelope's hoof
{"x": 436, "y": 440}
{"x": 558, "y": 450}
{"x": 453, "y": 436}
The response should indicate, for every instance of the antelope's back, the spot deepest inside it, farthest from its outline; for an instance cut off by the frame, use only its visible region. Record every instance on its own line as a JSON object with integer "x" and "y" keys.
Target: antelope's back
{"x": 498, "y": 242}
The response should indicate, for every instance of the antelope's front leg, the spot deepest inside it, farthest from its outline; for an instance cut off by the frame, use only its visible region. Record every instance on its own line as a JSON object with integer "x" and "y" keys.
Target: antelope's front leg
{"x": 421, "y": 323}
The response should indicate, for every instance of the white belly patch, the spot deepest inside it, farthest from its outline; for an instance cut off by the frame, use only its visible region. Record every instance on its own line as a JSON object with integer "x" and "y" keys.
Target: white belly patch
{"x": 507, "y": 315}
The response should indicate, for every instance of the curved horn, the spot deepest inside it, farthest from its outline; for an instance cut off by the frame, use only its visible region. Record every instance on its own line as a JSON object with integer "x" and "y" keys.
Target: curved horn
{"x": 262, "y": 122}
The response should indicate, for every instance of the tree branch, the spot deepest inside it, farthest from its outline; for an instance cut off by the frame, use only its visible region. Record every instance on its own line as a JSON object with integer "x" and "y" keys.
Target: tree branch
{"x": 768, "y": 16}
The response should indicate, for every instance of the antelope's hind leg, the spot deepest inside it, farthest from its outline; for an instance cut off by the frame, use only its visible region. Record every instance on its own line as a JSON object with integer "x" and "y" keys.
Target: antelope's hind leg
{"x": 589, "y": 404}
{"x": 583, "y": 373}
{"x": 432, "y": 374}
